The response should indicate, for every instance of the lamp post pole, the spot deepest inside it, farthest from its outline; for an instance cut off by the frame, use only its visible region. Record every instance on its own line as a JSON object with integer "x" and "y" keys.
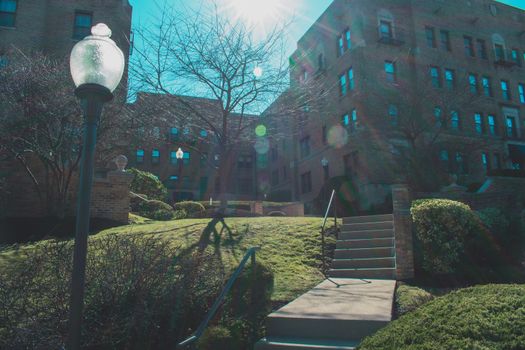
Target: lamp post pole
{"x": 97, "y": 65}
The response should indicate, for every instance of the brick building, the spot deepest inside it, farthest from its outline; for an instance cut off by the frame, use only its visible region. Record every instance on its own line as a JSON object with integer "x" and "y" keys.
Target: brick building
{"x": 171, "y": 122}
{"x": 445, "y": 75}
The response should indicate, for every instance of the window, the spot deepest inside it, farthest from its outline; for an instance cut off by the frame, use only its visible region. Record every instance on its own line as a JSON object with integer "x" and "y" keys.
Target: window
{"x": 203, "y": 133}
{"x": 473, "y": 83}
{"x": 324, "y": 135}
{"x": 450, "y": 76}
{"x": 478, "y": 122}
{"x": 155, "y": 156}
{"x": 173, "y": 157}
{"x": 306, "y": 182}
{"x": 351, "y": 82}
{"x": 445, "y": 40}
{"x": 431, "y": 36}
{"x": 521, "y": 92}
{"x": 8, "y": 13}
{"x": 83, "y": 23}
{"x": 505, "y": 90}
{"x": 385, "y": 30}
{"x": 454, "y": 120}
{"x": 344, "y": 42}
{"x": 140, "y": 156}
{"x": 487, "y": 86}
{"x": 482, "y": 48}
{"x": 245, "y": 162}
{"x": 393, "y": 115}
{"x": 174, "y": 133}
{"x": 496, "y": 161}
{"x": 348, "y": 37}
{"x": 342, "y": 84}
{"x": 390, "y": 70}
{"x": 492, "y": 125}
{"x": 186, "y": 158}
{"x": 304, "y": 146}
{"x": 320, "y": 61}
{"x": 511, "y": 127}
{"x": 340, "y": 46}
{"x": 245, "y": 186}
{"x": 444, "y": 158}
{"x": 485, "y": 161}
{"x": 350, "y": 121}
{"x": 275, "y": 177}
{"x": 435, "y": 77}
{"x": 499, "y": 52}
{"x": 438, "y": 116}
{"x": 345, "y": 120}
{"x": 515, "y": 54}
{"x": 353, "y": 122}
{"x": 469, "y": 46}
{"x": 4, "y": 61}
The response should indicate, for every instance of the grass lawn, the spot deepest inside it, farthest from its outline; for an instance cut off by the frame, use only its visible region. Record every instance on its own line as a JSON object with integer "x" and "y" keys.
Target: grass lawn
{"x": 481, "y": 317}
{"x": 290, "y": 247}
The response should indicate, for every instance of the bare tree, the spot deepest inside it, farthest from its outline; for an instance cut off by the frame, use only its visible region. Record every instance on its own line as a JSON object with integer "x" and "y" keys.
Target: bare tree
{"x": 202, "y": 53}
{"x": 41, "y": 126}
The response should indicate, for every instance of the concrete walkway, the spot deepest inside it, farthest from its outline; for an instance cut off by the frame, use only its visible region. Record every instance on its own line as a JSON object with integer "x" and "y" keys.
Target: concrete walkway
{"x": 331, "y": 317}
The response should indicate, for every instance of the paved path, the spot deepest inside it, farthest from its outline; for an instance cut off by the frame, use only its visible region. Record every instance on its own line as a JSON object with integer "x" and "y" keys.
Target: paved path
{"x": 331, "y": 317}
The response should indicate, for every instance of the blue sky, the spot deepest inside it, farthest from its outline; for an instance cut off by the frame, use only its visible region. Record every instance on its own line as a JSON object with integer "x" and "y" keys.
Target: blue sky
{"x": 303, "y": 12}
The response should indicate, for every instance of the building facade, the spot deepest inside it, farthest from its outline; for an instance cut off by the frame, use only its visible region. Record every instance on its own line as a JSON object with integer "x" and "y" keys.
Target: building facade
{"x": 168, "y": 123}
{"x": 446, "y": 78}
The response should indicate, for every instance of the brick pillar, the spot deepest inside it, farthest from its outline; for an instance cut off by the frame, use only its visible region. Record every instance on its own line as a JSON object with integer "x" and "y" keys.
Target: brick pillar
{"x": 257, "y": 208}
{"x": 110, "y": 198}
{"x": 403, "y": 232}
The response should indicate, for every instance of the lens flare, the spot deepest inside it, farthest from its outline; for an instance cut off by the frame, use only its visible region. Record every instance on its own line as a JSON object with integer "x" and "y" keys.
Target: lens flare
{"x": 262, "y": 145}
{"x": 260, "y": 130}
{"x": 337, "y": 136}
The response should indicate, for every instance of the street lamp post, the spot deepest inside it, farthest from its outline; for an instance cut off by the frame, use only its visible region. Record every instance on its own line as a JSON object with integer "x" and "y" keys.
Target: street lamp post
{"x": 324, "y": 163}
{"x": 97, "y": 66}
{"x": 180, "y": 158}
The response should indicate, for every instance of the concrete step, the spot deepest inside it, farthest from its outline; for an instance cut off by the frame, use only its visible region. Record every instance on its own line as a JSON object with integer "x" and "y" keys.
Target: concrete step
{"x": 273, "y": 343}
{"x": 380, "y": 225}
{"x": 365, "y": 243}
{"x": 378, "y": 252}
{"x": 368, "y": 218}
{"x": 369, "y": 234}
{"x": 372, "y": 273}
{"x": 321, "y": 328}
{"x": 363, "y": 263}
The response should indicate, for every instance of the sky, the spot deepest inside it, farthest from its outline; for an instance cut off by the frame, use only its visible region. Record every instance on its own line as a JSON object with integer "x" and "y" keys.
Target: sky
{"x": 301, "y": 13}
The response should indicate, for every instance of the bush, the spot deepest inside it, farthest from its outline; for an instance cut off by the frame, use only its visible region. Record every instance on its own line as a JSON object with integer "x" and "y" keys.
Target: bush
{"x": 409, "y": 298}
{"x": 156, "y": 210}
{"x": 218, "y": 338}
{"x": 148, "y": 184}
{"x": 193, "y": 209}
{"x": 137, "y": 296}
{"x": 442, "y": 226}
{"x": 483, "y": 317}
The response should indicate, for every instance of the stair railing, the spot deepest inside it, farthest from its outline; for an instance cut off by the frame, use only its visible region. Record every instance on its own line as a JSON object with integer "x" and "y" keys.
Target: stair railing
{"x": 185, "y": 344}
{"x": 323, "y": 233}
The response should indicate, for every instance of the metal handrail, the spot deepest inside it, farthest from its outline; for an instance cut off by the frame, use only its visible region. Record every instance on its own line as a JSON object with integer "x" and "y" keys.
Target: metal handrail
{"x": 323, "y": 229}
{"x": 202, "y": 327}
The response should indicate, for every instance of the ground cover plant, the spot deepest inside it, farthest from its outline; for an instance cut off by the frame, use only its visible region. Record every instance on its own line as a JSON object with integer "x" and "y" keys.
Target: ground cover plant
{"x": 149, "y": 285}
{"x": 482, "y": 317}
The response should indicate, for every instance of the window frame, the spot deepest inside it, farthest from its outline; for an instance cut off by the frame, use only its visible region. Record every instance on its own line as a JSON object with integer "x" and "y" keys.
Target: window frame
{"x": 468, "y": 44}
{"x": 487, "y": 88}
{"x": 9, "y": 14}
{"x": 436, "y": 78}
{"x": 391, "y": 77}
{"x": 505, "y": 90}
{"x": 444, "y": 37}
{"x": 430, "y": 36}
{"x": 76, "y": 27}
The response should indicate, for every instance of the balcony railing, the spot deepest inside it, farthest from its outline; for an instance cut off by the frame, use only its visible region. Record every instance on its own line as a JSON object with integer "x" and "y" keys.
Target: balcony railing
{"x": 395, "y": 37}
{"x": 504, "y": 59}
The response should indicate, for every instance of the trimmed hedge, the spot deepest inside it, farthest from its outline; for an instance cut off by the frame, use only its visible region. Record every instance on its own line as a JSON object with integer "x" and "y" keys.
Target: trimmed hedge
{"x": 156, "y": 210}
{"x": 409, "y": 298}
{"x": 148, "y": 184}
{"x": 482, "y": 317}
{"x": 442, "y": 227}
{"x": 193, "y": 209}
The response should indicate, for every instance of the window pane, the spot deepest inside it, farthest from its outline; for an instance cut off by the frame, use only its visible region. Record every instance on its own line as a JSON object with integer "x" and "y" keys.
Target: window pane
{"x": 83, "y": 20}
{"x": 8, "y": 6}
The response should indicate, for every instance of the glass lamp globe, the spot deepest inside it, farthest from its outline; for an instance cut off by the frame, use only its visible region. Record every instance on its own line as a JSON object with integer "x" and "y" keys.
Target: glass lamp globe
{"x": 121, "y": 161}
{"x": 324, "y": 162}
{"x": 179, "y": 153}
{"x": 97, "y": 60}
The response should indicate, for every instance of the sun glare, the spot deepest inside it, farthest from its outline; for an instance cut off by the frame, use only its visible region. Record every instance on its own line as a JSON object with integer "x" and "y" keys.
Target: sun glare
{"x": 260, "y": 13}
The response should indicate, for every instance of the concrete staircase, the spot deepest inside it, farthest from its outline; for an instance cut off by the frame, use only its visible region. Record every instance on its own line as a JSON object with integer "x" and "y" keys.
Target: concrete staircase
{"x": 365, "y": 248}
{"x": 331, "y": 317}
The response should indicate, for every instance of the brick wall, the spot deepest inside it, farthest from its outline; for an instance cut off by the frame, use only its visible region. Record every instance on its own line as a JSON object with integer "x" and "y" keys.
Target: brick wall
{"x": 403, "y": 232}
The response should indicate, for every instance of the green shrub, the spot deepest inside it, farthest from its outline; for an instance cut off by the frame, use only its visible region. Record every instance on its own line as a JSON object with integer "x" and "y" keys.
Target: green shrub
{"x": 218, "y": 338}
{"x": 409, "y": 298}
{"x": 137, "y": 295}
{"x": 442, "y": 226}
{"x": 156, "y": 210}
{"x": 180, "y": 214}
{"x": 193, "y": 209}
{"x": 482, "y": 317}
{"x": 148, "y": 184}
